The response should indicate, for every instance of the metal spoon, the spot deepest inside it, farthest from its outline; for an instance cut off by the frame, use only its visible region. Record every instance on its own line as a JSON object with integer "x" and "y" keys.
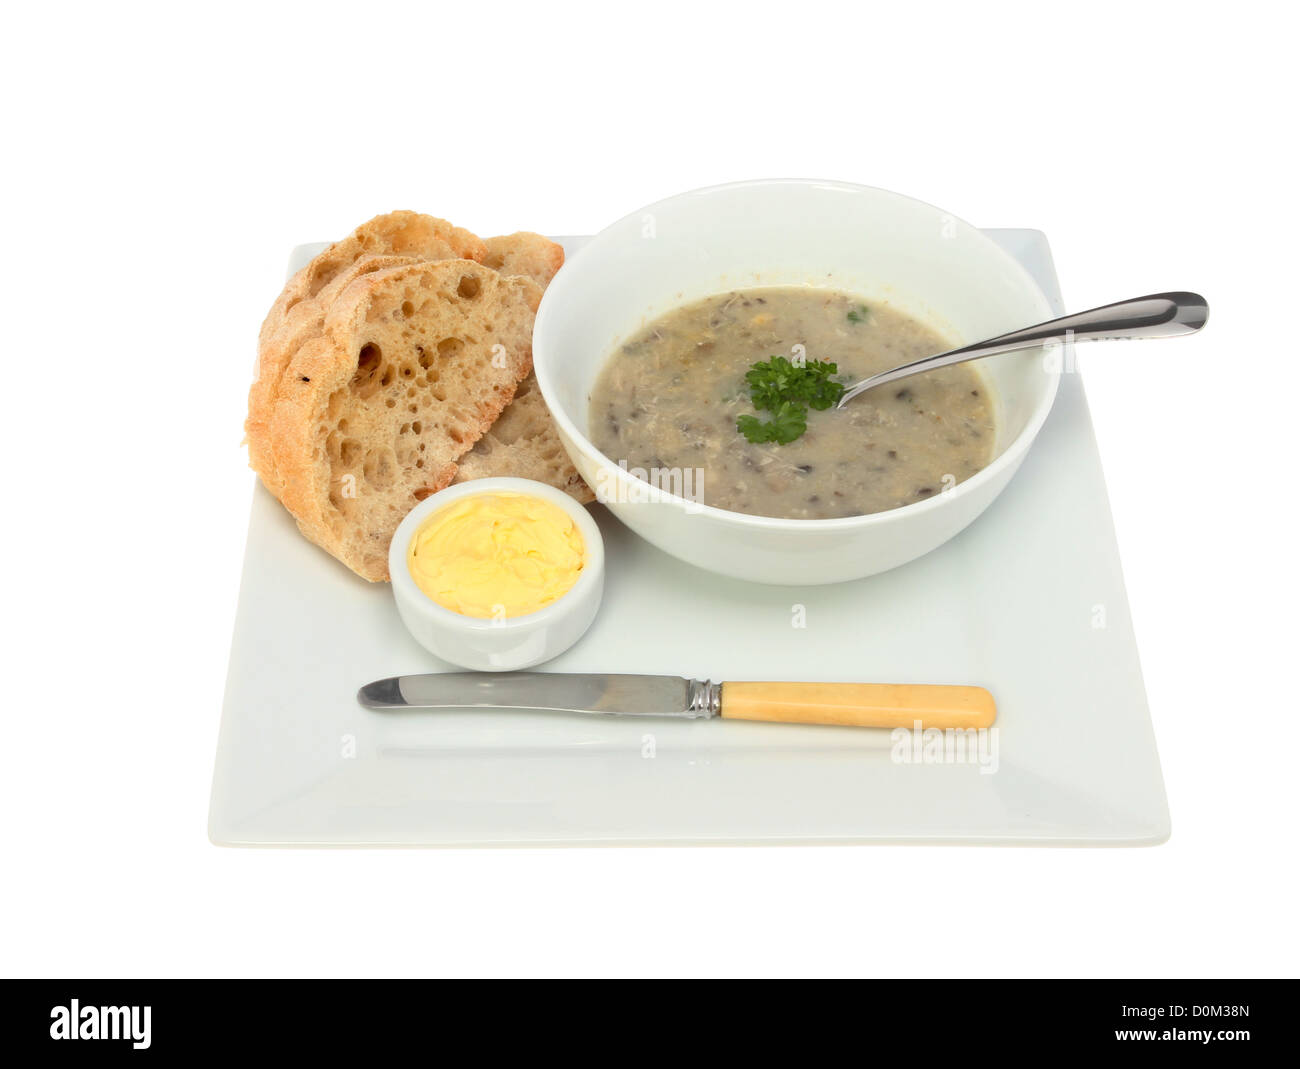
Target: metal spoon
{"x": 1160, "y": 315}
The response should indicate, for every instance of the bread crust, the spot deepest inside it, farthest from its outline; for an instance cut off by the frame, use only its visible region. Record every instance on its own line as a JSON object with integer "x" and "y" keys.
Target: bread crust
{"x": 525, "y": 253}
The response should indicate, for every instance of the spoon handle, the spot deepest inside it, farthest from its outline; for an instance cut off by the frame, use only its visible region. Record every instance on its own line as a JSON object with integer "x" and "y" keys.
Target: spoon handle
{"x": 1159, "y": 315}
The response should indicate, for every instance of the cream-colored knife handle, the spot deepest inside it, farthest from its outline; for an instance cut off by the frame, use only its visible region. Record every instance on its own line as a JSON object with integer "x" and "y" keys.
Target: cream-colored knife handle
{"x": 864, "y": 705}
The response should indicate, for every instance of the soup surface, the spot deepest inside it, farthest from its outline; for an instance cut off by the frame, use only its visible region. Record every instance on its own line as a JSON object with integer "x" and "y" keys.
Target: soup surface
{"x": 669, "y": 398}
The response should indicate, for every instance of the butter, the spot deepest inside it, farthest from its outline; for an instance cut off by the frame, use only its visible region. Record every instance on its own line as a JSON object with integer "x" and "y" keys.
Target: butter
{"x": 496, "y": 555}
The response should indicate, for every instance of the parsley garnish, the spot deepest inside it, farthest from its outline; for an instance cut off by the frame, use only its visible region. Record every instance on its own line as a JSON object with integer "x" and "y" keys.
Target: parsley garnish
{"x": 788, "y": 422}
{"x": 858, "y": 314}
{"x": 787, "y": 391}
{"x": 774, "y": 381}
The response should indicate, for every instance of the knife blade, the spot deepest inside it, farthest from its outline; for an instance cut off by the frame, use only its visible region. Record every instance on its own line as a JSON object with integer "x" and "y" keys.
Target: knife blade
{"x": 884, "y": 705}
{"x": 620, "y": 695}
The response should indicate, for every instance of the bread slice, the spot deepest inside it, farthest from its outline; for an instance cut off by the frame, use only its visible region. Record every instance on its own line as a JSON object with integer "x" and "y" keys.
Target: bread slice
{"x": 305, "y": 324}
{"x": 523, "y": 441}
{"x": 415, "y": 363}
{"x": 526, "y": 254}
{"x": 298, "y": 315}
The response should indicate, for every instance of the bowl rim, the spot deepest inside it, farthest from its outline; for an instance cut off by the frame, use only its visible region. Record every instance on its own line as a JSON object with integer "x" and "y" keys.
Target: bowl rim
{"x": 405, "y": 586}
{"x": 1008, "y": 458}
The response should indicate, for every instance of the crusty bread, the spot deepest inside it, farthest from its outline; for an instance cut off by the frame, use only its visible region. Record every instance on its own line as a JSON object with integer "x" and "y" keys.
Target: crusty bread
{"x": 298, "y": 315}
{"x": 303, "y": 325}
{"x": 523, "y": 442}
{"x": 332, "y": 422}
{"x": 525, "y": 253}
{"x": 414, "y": 364}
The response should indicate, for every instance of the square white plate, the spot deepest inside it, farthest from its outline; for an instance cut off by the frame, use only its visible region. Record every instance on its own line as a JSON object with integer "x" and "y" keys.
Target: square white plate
{"x": 1029, "y": 601}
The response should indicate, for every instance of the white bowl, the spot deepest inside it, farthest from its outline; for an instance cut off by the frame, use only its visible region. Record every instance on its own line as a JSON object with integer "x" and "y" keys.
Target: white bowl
{"x": 883, "y": 246}
{"x": 515, "y": 642}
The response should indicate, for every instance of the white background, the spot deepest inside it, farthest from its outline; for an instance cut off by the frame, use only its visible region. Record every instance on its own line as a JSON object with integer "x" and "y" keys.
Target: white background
{"x": 159, "y": 165}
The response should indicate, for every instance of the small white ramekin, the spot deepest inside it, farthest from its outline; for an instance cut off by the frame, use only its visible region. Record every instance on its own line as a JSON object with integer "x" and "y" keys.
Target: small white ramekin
{"x": 498, "y": 645}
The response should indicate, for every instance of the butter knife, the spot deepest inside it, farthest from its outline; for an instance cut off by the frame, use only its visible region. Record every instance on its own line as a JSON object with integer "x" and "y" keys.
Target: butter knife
{"x": 875, "y": 705}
